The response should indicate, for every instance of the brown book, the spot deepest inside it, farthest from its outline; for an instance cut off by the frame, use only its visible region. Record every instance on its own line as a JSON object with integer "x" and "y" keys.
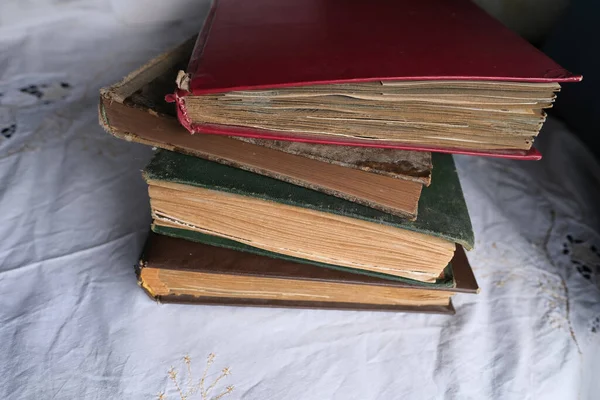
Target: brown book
{"x": 181, "y": 271}
{"x": 385, "y": 179}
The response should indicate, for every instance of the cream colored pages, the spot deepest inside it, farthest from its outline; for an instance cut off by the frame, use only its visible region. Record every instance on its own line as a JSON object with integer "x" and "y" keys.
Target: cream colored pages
{"x": 300, "y": 232}
{"x": 469, "y": 115}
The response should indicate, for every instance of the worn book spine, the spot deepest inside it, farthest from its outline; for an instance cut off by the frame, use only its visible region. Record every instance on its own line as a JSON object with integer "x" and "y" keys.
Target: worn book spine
{"x": 376, "y": 191}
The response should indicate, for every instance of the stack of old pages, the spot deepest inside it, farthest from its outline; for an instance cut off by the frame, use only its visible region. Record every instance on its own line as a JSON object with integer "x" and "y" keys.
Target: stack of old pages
{"x": 295, "y": 165}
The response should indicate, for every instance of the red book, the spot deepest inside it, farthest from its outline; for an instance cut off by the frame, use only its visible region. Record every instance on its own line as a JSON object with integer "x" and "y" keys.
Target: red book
{"x": 444, "y": 57}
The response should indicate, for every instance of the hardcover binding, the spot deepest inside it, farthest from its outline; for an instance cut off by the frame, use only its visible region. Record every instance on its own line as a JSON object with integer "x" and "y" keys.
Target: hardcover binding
{"x": 273, "y": 44}
{"x": 177, "y": 254}
{"x": 474, "y": 47}
{"x": 442, "y": 209}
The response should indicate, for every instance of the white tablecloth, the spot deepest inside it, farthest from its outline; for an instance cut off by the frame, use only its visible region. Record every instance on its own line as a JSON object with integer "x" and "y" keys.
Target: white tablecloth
{"x": 74, "y": 215}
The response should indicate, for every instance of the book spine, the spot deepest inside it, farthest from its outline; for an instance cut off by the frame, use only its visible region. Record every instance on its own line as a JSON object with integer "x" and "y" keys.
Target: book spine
{"x": 179, "y": 99}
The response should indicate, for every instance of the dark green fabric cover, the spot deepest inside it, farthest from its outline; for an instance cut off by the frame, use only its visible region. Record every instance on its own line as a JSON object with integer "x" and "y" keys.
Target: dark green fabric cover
{"x": 442, "y": 208}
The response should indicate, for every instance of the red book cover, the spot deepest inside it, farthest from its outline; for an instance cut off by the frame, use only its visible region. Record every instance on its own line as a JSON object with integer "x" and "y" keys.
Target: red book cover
{"x": 260, "y": 44}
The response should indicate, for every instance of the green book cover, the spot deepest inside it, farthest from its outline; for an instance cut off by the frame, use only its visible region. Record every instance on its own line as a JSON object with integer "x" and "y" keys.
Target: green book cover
{"x": 442, "y": 208}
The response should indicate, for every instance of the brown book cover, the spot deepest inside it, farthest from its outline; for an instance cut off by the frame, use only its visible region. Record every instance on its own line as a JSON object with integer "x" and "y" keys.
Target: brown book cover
{"x": 134, "y": 110}
{"x": 163, "y": 253}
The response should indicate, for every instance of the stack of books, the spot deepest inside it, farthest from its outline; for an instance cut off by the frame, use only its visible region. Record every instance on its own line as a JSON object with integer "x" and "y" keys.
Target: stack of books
{"x": 295, "y": 166}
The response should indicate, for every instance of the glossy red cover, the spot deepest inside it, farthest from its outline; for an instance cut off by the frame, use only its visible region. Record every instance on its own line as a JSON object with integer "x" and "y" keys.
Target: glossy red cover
{"x": 277, "y": 43}
{"x": 261, "y": 44}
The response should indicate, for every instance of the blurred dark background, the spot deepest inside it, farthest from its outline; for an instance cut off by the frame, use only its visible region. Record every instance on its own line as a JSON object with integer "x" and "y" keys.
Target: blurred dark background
{"x": 569, "y": 32}
{"x": 574, "y": 43}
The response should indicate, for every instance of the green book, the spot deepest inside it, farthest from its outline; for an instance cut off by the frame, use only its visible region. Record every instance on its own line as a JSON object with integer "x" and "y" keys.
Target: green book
{"x": 207, "y": 202}
{"x": 444, "y": 280}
